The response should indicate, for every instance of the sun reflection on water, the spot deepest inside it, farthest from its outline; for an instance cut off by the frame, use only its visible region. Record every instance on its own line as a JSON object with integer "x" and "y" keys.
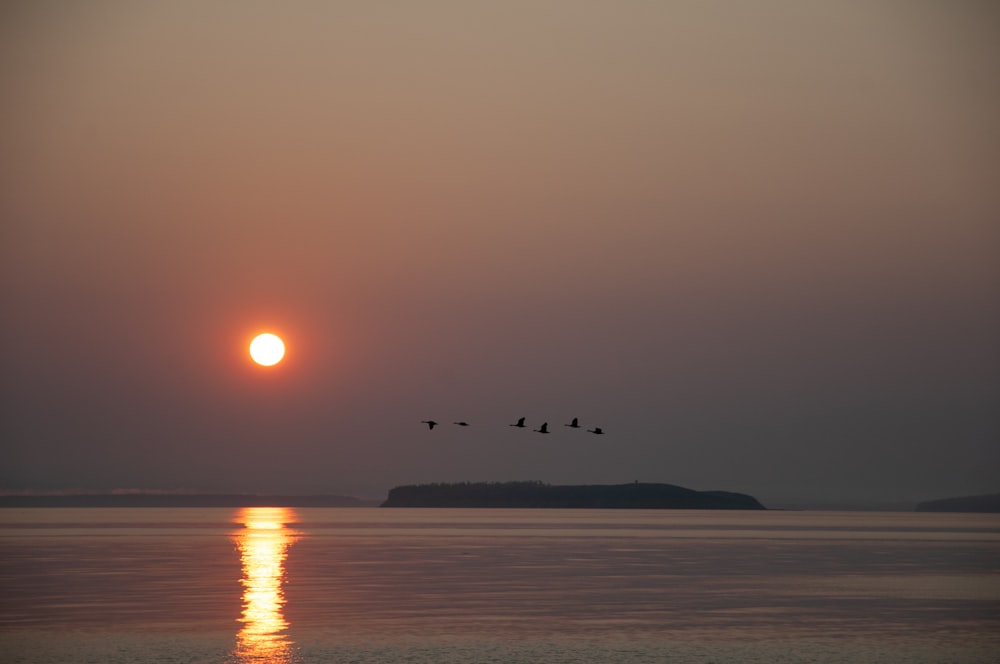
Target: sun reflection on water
{"x": 263, "y": 545}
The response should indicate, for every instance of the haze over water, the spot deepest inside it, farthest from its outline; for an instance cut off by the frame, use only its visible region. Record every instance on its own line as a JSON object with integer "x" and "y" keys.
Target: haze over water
{"x": 756, "y": 243}
{"x": 382, "y": 585}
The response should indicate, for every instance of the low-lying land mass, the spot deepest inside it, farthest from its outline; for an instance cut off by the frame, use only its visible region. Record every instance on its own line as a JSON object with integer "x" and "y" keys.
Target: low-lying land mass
{"x": 988, "y": 503}
{"x": 595, "y": 496}
{"x": 178, "y": 500}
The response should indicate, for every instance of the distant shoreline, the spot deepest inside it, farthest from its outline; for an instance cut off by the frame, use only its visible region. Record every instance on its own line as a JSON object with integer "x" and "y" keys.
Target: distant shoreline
{"x": 181, "y": 500}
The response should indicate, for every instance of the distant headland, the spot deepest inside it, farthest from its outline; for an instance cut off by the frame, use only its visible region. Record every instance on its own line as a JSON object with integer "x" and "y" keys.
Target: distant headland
{"x": 593, "y": 496}
{"x": 988, "y": 503}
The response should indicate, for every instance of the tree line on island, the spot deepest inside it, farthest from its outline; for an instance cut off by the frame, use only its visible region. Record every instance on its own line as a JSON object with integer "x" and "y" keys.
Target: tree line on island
{"x": 637, "y": 495}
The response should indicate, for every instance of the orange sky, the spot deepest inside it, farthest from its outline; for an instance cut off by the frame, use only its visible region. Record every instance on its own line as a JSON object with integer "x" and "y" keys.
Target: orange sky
{"x": 757, "y": 243}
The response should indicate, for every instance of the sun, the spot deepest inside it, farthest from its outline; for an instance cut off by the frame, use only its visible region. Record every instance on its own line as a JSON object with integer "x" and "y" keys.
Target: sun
{"x": 267, "y": 349}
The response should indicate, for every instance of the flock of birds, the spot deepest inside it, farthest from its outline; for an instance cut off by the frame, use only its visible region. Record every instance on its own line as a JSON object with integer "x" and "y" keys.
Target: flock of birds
{"x": 575, "y": 424}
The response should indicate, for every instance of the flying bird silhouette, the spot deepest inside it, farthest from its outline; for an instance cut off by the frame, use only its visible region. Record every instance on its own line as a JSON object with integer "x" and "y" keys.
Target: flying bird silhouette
{"x": 461, "y": 424}
{"x": 430, "y": 423}
{"x": 575, "y": 424}
{"x": 542, "y": 429}
{"x": 596, "y": 430}
{"x": 520, "y": 423}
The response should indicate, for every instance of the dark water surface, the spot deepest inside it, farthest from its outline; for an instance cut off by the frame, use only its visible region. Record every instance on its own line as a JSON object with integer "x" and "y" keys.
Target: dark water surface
{"x": 440, "y": 585}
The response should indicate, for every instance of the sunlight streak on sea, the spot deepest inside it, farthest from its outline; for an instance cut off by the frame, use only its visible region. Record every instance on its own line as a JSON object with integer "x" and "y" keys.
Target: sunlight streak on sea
{"x": 263, "y": 545}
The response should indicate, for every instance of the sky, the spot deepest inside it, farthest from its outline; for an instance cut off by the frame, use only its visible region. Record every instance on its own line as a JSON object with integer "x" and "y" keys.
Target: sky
{"x": 756, "y": 243}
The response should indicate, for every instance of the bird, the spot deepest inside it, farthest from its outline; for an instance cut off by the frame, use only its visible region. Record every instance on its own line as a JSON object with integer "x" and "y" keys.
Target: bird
{"x": 430, "y": 423}
{"x": 520, "y": 423}
{"x": 542, "y": 429}
{"x": 461, "y": 424}
{"x": 575, "y": 424}
{"x": 596, "y": 430}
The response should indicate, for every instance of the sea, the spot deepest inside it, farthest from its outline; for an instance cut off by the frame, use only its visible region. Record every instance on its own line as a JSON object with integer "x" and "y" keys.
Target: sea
{"x": 370, "y": 585}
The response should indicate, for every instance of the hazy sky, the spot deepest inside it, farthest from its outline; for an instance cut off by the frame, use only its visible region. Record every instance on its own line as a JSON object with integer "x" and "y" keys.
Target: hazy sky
{"x": 756, "y": 242}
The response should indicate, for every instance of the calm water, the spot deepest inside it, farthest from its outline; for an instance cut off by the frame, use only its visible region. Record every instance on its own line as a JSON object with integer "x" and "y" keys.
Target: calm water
{"x": 413, "y": 585}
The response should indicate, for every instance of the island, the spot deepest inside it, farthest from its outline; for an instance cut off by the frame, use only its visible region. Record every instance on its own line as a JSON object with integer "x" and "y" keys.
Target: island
{"x": 988, "y": 503}
{"x": 637, "y": 495}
